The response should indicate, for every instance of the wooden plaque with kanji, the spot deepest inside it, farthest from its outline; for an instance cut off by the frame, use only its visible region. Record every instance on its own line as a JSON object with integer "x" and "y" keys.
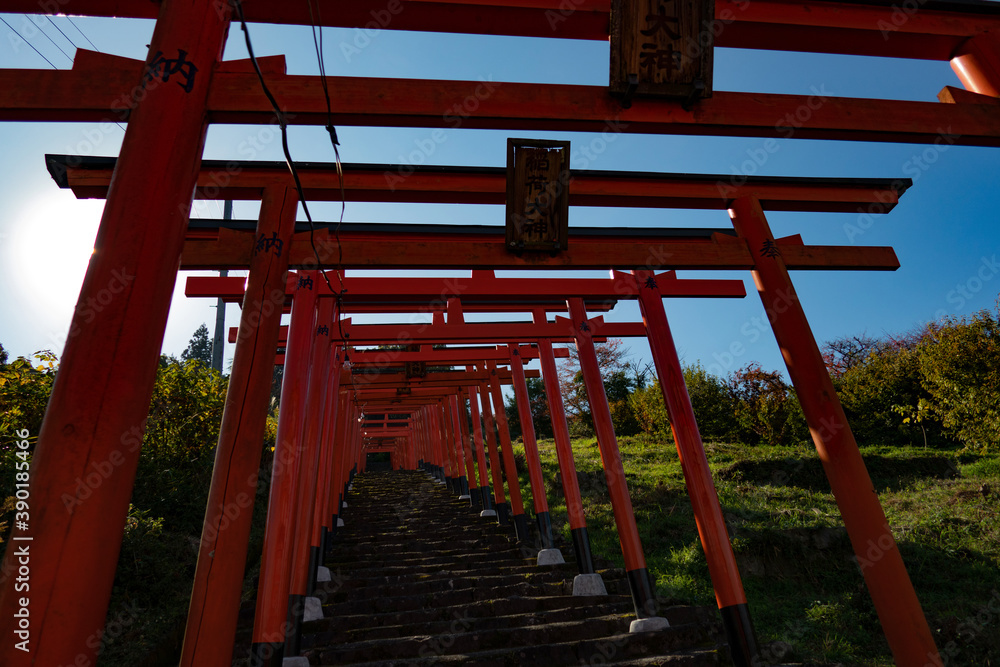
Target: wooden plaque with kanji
{"x": 666, "y": 45}
{"x": 537, "y": 195}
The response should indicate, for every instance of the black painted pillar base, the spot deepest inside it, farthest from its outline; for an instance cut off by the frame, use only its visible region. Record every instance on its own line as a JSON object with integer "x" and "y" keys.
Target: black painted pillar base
{"x": 461, "y": 486}
{"x": 503, "y": 514}
{"x": 642, "y": 593}
{"x": 487, "y": 497}
{"x": 314, "y": 561}
{"x": 324, "y": 541}
{"x": 521, "y": 528}
{"x": 266, "y": 654}
{"x": 450, "y": 483}
{"x": 465, "y": 486}
{"x": 581, "y": 546}
{"x": 293, "y": 638}
{"x": 740, "y": 635}
{"x": 333, "y": 531}
{"x": 476, "y": 497}
{"x": 544, "y": 529}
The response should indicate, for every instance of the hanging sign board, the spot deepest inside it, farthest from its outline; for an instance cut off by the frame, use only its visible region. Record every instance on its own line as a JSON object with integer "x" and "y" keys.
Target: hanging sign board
{"x": 662, "y": 48}
{"x": 537, "y": 195}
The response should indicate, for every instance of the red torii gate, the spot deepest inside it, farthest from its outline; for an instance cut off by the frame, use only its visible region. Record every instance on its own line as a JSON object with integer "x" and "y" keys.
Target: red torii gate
{"x": 726, "y": 575}
{"x": 102, "y": 392}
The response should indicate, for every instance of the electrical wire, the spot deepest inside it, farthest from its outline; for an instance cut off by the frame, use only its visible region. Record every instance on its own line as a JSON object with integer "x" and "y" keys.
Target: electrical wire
{"x": 46, "y": 35}
{"x": 65, "y": 36}
{"x": 283, "y": 125}
{"x": 70, "y": 19}
{"x": 28, "y": 43}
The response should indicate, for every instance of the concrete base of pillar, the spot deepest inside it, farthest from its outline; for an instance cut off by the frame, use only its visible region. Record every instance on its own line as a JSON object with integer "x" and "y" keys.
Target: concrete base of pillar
{"x": 589, "y": 584}
{"x": 323, "y": 574}
{"x": 651, "y": 624}
{"x": 465, "y": 497}
{"x": 490, "y": 513}
{"x": 344, "y": 504}
{"x": 550, "y": 557}
{"x": 340, "y": 523}
{"x": 300, "y": 661}
{"x": 313, "y": 610}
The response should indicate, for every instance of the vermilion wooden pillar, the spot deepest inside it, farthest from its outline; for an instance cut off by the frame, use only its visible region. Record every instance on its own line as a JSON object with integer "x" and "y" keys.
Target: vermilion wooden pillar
{"x": 332, "y": 404}
{"x": 501, "y": 506}
{"x": 614, "y": 473}
{"x": 218, "y": 579}
{"x": 345, "y": 417}
{"x": 503, "y": 433}
{"x": 977, "y": 64}
{"x": 708, "y": 516}
{"x": 477, "y": 439}
{"x": 564, "y": 453}
{"x": 96, "y": 414}
{"x": 275, "y": 565}
{"x": 475, "y": 496}
{"x": 539, "y": 500}
{"x": 305, "y": 549}
{"x": 881, "y": 565}
{"x": 458, "y": 463}
{"x": 463, "y": 454}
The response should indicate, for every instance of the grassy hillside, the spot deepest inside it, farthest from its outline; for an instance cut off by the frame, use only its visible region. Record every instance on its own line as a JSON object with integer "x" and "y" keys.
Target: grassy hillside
{"x": 805, "y": 591}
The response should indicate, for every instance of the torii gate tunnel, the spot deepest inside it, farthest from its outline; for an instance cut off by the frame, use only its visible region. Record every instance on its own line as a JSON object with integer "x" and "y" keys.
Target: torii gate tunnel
{"x": 337, "y": 402}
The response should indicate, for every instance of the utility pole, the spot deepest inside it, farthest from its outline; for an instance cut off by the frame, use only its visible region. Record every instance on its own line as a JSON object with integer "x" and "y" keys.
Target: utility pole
{"x": 220, "y": 308}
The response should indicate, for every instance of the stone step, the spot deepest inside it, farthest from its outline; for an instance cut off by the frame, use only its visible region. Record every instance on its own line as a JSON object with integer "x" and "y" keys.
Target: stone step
{"x": 479, "y": 618}
{"x": 525, "y": 646}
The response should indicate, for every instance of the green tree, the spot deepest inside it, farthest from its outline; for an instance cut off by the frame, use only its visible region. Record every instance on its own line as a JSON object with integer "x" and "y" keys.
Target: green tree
{"x": 200, "y": 347}
{"x": 960, "y": 369}
{"x": 881, "y": 390}
{"x": 540, "y": 417}
{"x": 764, "y": 408}
{"x": 710, "y": 400}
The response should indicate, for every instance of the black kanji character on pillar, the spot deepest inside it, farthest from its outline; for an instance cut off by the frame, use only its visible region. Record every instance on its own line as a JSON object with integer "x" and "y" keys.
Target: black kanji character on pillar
{"x": 265, "y": 244}
{"x": 162, "y": 68}
{"x": 650, "y": 282}
{"x": 323, "y": 330}
{"x": 515, "y": 352}
{"x": 584, "y": 326}
{"x": 770, "y": 249}
{"x": 305, "y": 282}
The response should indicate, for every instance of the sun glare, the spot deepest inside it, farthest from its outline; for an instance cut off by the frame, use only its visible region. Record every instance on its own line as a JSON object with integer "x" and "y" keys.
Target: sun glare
{"x": 52, "y": 241}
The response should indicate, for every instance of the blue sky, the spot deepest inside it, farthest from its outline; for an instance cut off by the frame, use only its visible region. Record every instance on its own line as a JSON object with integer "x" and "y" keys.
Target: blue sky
{"x": 945, "y": 230}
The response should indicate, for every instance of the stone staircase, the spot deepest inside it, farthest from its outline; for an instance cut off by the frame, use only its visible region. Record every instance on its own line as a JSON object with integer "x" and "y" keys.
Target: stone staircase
{"x": 418, "y": 578}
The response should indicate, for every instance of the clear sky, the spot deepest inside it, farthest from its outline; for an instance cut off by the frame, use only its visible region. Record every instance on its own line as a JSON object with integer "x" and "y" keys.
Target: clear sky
{"x": 945, "y": 230}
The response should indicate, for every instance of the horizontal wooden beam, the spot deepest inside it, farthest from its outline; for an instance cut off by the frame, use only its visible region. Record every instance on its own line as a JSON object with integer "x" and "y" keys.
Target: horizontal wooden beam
{"x": 884, "y": 28}
{"x": 102, "y": 94}
{"x": 510, "y": 294}
{"x": 89, "y": 177}
{"x": 437, "y": 251}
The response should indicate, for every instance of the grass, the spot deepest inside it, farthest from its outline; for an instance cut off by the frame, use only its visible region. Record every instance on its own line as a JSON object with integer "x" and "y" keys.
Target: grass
{"x": 805, "y": 591}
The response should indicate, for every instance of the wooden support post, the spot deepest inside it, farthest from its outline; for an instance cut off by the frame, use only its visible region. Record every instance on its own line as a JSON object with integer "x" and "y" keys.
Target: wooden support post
{"x": 84, "y": 463}
{"x": 305, "y": 553}
{"x": 708, "y": 516}
{"x": 275, "y": 564}
{"x": 454, "y": 443}
{"x": 977, "y": 64}
{"x": 475, "y": 495}
{"x": 564, "y": 453}
{"x": 461, "y": 451}
{"x": 621, "y": 504}
{"x": 477, "y": 438}
{"x": 539, "y": 500}
{"x": 503, "y": 432}
{"x": 878, "y": 557}
{"x": 500, "y": 497}
{"x": 218, "y": 578}
{"x": 332, "y": 410}
{"x": 345, "y": 417}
